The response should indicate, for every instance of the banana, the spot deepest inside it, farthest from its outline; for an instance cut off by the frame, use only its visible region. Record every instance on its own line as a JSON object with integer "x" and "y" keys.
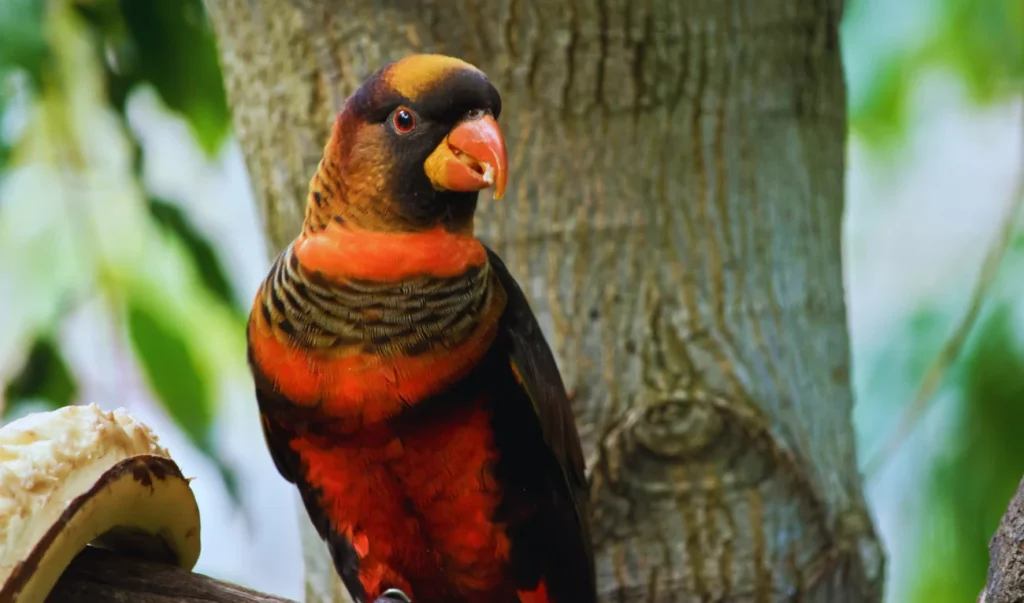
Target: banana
{"x": 78, "y": 476}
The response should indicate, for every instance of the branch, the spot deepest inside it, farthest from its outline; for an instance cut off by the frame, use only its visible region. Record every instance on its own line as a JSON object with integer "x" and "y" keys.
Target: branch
{"x": 100, "y": 576}
{"x": 1005, "y": 582}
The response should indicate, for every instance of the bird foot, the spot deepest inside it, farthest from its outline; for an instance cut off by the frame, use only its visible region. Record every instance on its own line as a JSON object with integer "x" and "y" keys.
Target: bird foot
{"x": 393, "y": 595}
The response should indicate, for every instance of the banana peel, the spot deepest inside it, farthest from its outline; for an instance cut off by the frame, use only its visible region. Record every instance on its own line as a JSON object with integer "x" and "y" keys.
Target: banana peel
{"x": 78, "y": 476}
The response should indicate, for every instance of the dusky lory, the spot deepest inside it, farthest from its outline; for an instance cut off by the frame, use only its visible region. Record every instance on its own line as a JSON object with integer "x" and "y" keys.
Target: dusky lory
{"x": 403, "y": 381}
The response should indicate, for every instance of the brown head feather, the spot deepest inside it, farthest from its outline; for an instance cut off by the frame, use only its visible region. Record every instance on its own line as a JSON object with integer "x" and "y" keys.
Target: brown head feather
{"x": 371, "y": 178}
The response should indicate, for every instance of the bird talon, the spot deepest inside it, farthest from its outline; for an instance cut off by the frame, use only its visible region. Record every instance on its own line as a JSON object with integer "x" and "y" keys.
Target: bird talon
{"x": 393, "y": 595}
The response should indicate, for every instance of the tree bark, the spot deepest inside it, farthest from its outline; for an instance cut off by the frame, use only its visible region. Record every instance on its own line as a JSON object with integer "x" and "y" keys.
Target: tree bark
{"x": 99, "y": 576}
{"x": 1005, "y": 583}
{"x": 674, "y": 212}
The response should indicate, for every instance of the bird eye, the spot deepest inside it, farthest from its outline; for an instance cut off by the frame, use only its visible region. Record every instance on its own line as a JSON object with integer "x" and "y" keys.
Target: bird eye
{"x": 403, "y": 120}
{"x": 475, "y": 114}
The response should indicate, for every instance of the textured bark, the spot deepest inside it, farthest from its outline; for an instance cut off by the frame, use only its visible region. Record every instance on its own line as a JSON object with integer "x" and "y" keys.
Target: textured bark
{"x": 1005, "y": 583}
{"x": 674, "y": 212}
{"x": 98, "y": 576}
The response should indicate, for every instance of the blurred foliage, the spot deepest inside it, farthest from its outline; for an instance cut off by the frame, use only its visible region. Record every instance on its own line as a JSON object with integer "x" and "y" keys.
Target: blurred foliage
{"x": 979, "y": 41}
{"x": 971, "y": 475}
{"x": 979, "y": 468}
{"x": 211, "y": 269}
{"x": 966, "y": 478}
{"x": 76, "y": 223}
{"x": 24, "y": 46}
{"x": 45, "y": 379}
{"x": 23, "y": 49}
{"x": 970, "y": 463}
{"x": 169, "y": 44}
{"x": 170, "y": 365}
{"x": 172, "y": 370}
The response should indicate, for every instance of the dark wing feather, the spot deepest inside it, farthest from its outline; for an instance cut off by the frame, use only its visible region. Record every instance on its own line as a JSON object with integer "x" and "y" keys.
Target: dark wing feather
{"x": 534, "y": 363}
{"x": 271, "y": 404}
{"x": 276, "y": 411}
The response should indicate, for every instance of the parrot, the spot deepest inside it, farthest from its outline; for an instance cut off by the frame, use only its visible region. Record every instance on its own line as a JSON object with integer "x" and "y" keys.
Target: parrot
{"x": 403, "y": 382}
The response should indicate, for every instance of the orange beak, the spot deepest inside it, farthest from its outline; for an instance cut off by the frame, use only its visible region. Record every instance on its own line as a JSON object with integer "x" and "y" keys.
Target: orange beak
{"x": 471, "y": 158}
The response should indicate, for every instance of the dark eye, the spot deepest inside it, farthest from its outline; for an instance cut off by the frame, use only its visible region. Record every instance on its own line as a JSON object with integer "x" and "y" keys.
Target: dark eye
{"x": 475, "y": 114}
{"x": 404, "y": 120}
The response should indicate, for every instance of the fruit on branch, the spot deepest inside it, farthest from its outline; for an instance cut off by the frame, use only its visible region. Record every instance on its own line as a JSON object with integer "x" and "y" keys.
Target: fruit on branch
{"x": 78, "y": 476}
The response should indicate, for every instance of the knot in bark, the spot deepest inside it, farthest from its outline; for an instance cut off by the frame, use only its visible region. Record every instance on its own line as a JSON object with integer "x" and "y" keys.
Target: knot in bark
{"x": 675, "y": 426}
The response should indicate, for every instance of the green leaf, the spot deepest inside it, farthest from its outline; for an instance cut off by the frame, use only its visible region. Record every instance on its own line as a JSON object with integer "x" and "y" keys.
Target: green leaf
{"x": 5, "y": 99}
{"x": 24, "y": 43}
{"x": 176, "y": 378}
{"x": 169, "y": 44}
{"x": 208, "y": 264}
{"x": 114, "y": 46}
{"x": 979, "y": 467}
{"x": 983, "y": 41}
{"x": 179, "y": 382}
{"x": 882, "y": 112}
{"x": 176, "y": 52}
{"x": 44, "y": 381}
{"x": 978, "y": 41}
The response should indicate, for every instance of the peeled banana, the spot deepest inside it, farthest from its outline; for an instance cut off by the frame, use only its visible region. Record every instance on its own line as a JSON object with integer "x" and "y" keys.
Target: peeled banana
{"x": 78, "y": 476}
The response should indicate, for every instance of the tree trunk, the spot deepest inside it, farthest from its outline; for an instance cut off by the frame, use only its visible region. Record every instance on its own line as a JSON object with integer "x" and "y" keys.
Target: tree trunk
{"x": 674, "y": 211}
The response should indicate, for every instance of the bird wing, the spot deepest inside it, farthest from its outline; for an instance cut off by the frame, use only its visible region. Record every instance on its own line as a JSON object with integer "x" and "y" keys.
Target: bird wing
{"x": 533, "y": 364}
{"x": 271, "y": 404}
{"x": 274, "y": 415}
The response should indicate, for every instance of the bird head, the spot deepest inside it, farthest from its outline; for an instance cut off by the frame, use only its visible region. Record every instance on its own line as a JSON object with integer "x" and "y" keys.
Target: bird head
{"x": 412, "y": 148}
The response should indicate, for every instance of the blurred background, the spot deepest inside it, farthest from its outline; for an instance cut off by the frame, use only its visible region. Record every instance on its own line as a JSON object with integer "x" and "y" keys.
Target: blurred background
{"x": 126, "y": 280}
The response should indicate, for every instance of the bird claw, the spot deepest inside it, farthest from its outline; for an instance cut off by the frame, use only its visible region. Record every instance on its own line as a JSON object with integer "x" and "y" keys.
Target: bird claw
{"x": 393, "y": 595}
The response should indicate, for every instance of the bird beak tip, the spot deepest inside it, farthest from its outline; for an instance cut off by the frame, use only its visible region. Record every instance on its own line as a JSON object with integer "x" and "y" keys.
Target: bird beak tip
{"x": 473, "y": 157}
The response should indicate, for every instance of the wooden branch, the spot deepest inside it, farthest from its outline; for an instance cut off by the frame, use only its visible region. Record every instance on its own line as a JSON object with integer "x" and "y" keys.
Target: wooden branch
{"x": 1005, "y": 582}
{"x": 100, "y": 576}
